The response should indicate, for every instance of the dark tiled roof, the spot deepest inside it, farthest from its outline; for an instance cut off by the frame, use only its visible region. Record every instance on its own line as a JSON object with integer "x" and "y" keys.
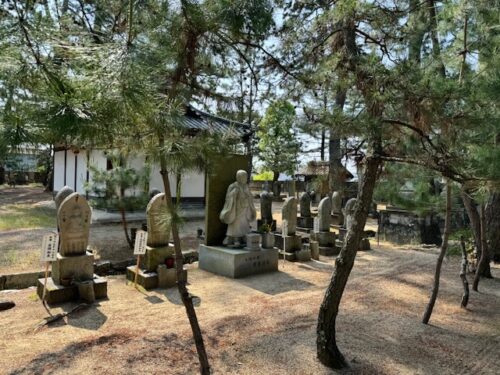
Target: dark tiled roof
{"x": 197, "y": 120}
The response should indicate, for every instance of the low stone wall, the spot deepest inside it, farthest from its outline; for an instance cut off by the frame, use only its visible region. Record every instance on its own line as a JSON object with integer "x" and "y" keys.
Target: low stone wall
{"x": 20, "y": 280}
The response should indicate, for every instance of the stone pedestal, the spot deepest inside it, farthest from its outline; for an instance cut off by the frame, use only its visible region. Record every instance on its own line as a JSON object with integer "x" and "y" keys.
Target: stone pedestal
{"x": 303, "y": 255}
{"x": 56, "y": 293}
{"x": 262, "y": 222}
{"x": 313, "y": 247}
{"x": 292, "y": 243}
{"x": 337, "y": 218}
{"x": 326, "y": 242}
{"x": 147, "y": 279}
{"x": 253, "y": 241}
{"x": 73, "y": 268}
{"x": 305, "y": 222}
{"x": 236, "y": 263}
{"x": 155, "y": 256}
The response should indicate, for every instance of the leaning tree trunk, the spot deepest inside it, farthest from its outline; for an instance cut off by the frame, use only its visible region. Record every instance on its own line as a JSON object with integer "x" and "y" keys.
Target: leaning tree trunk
{"x": 327, "y": 350}
{"x": 442, "y": 253}
{"x": 463, "y": 273}
{"x": 485, "y": 259}
{"x": 493, "y": 226}
{"x": 181, "y": 280}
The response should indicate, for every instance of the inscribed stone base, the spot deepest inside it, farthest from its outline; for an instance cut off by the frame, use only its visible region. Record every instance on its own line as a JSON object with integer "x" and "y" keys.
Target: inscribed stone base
{"x": 147, "y": 279}
{"x": 305, "y": 222}
{"x": 155, "y": 256}
{"x": 237, "y": 263}
{"x": 78, "y": 267}
{"x": 261, "y": 222}
{"x": 56, "y": 293}
{"x": 292, "y": 243}
{"x": 329, "y": 250}
{"x": 167, "y": 277}
{"x": 325, "y": 239}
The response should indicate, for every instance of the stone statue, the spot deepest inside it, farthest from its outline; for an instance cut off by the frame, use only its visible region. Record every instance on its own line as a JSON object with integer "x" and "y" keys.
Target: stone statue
{"x": 239, "y": 211}
{"x": 61, "y": 195}
{"x": 73, "y": 219}
{"x": 324, "y": 210}
{"x": 158, "y": 221}
{"x": 336, "y": 203}
{"x": 349, "y": 212}
{"x": 305, "y": 204}
{"x": 289, "y": 213}
{"x": 266, "y": 207}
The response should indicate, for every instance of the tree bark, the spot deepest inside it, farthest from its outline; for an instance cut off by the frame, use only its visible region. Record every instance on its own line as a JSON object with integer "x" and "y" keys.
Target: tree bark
{"x": 442, "y": 253}
{"x": 181, "y": 280}
{"x": 493, "y": 226}
{"x": 485, "y": 259}
{"x": 335, "y": 179}
{"x": 125, "y": 228}
{"x": 327, "y": 350}
{"x": 463, "y": 274}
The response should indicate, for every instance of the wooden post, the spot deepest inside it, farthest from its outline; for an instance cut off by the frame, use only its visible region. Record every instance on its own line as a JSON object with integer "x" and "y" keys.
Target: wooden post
{"x": 45, "y": 281}
{"x": 137, "y": 270}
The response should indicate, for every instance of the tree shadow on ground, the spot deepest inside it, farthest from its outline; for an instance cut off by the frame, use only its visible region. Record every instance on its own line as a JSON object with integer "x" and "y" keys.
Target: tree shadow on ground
{"x": 275, "y": 283}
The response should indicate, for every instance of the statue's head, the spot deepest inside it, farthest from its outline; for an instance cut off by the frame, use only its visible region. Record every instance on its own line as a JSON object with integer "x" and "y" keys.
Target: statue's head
{"x": 241, "y": 176}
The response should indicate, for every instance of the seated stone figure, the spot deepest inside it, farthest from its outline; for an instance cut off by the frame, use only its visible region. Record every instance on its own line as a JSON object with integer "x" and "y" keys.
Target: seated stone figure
{"x": 238, "y": 212}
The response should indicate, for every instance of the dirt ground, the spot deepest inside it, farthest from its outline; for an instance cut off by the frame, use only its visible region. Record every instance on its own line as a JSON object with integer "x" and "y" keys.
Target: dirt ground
{"x": 266, "y": 324}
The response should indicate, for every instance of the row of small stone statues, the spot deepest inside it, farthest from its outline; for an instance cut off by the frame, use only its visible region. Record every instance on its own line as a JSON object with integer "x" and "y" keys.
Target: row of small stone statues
{"x": 239, "y": 211}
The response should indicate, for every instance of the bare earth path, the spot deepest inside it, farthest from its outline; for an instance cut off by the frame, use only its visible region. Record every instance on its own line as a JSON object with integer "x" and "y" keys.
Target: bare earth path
{"x": 266, "y": 324}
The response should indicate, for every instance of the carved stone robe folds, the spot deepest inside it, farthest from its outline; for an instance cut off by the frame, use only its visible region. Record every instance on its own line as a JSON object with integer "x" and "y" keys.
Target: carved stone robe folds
{"x": 239, "y": 210}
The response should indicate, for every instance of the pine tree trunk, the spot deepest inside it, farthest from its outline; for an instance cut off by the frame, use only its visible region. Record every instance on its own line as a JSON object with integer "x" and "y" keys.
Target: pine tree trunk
{"x": 463, "y": 274}
{"x": 125, "y": 228}
{"x": 181, "y": 280}
{"x": 484, "y": 261}
{"x": 493, "y": 226}
{"x": 442, "y": 253}
{"x": 327, "y": 350}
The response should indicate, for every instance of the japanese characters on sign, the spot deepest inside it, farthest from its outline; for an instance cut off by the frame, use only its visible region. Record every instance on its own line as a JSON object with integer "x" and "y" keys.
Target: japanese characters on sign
{"x": 284, "y": 229}
{"x": 141, "y": 239}
{"x": 50, "y": 244}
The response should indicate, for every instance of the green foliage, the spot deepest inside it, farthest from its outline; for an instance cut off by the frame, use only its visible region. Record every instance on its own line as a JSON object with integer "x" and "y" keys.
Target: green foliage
{"x": 278, "y": 143}
{"x": 264, "y": 176}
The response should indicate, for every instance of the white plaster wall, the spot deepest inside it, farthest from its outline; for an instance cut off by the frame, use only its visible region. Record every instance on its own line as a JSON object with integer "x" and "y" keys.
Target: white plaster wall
{"x": 98, "y": 160}
{"x": 58, "y": 170}
{"x": 70, "y": 169}
{"x": 81, "y": 172}
{"x": 193, "y": 185}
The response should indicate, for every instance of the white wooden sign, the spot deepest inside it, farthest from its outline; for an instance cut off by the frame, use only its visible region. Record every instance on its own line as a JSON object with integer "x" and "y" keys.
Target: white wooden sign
{"x": 284, "y": 228}
{"x": 316, "y": 225}
{"x": 50, "y": 244}
{"x": 141, "y": 239}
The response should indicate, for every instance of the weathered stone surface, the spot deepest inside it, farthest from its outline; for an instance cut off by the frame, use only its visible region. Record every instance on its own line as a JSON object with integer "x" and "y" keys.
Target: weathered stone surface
{"x": 148, "y": 280}
{"x": 56, "y": 293}
{"x": 290, "y": 257}
{"x": 74, "y": 268}
{"x": 292, "y": 243}
{"x": 349, "y": 212}
{"x": 158, "y": 221}
{"x": 314, "y": 248}
{"x": 364, "y": 245}
{"x": 289, "y": 213}
{"x": 62, "y": 195}
{"x": 20, "y": 280}
{"x": 167, "y": 277}
{"x": 303, "y": 255}
{"x": 329, "y": 250}
{"x": 155, "y": 256}
{"x": 324, "y": 214}
{"x": 238, "y": 211}
{"x": 336, "y": 203}
{"x": 73, "y": 219}
{"x": 305, "y": 205}
{"x": 102, "y": 267}
{"x": 237, "y": 263}
{"x": 305, "y": 222}
{"x": 253, "y": 242}
{"x": 268, "y": 240}
{"x": 86, "y": 291}
{"x": 324, "y": 238}
{"x": 266, "y": 207}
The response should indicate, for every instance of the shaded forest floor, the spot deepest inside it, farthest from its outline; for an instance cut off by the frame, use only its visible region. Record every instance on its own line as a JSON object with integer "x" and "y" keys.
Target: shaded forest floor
{"x": 266, "y": 324}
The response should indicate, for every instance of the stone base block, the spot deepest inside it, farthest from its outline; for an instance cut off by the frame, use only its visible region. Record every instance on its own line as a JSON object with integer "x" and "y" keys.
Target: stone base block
{"x": 364, "y": 245}
{"x": 237, "y": 263}
{"x": 56, "y": 293}
{"x": 71, "y": 268}
{"x": 329, "y": 250}
{"x": 305, "y": 222}
{"x": 261, "y": 222}
{"x": 148, "y": 280}
{"x": 292, "y": 243}
{"x": 337, "y": 218}
{"x": 167, "y": 277}
{"x": 313, "y": 247}
{"x": 342, "y": 233}
{"x": 303, "y": 255}
{"x": 325, "y": 239}
{"x": 155, "y": 256}
{"x": 288, "y": 256}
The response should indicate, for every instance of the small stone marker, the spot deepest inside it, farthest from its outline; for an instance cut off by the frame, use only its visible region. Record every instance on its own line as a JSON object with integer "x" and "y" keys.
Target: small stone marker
{"x": 316, "y": 225}
{"x": 62, "y": 195}
{"x": 305, "y": 204}
{"x": 50, "y": 243}
{"x": 73, "y": 219}
{"x": 349, "y": 212}
{"x": 141, "y": 239}
{"x": 253, "y": 242}
{"x": 158, "y": 221}
{"x": 289, "y": 214}
{"x": 324, "y": 214}
{"x": 336, "y": 202}
{"x": 266, "y": 207}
